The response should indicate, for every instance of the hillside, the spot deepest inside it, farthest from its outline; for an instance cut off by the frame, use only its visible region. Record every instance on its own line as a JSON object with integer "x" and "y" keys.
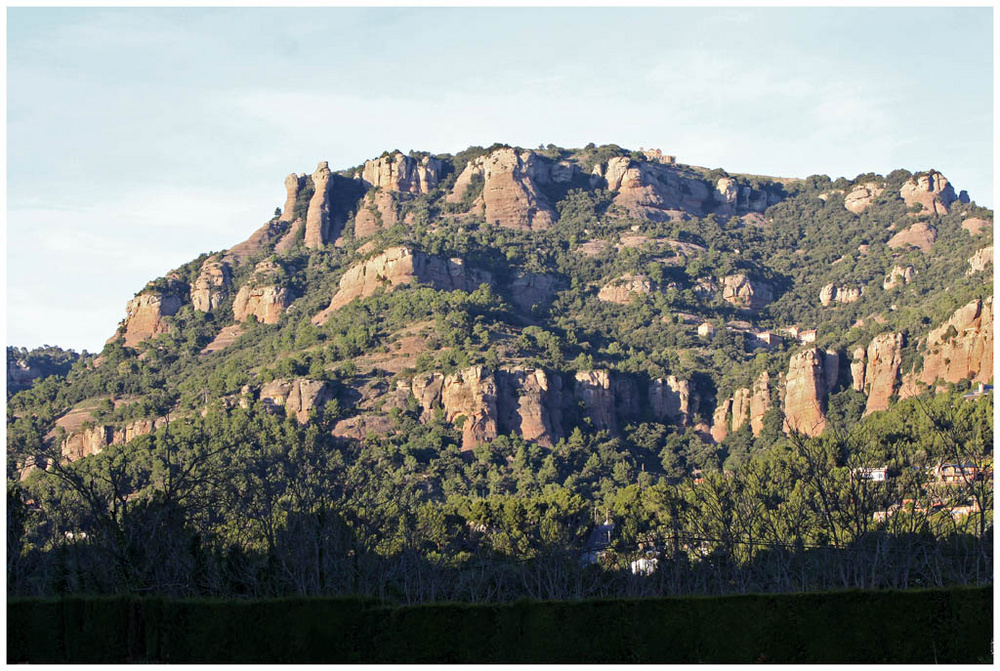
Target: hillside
{"x": 424, "y": 341}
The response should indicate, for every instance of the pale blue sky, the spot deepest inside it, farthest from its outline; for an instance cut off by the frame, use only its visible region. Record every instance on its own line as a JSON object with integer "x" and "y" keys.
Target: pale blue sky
{"x": 139, "y": 138}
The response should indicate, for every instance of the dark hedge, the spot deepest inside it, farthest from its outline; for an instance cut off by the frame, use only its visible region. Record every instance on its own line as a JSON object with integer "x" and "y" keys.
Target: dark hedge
{"x": 913, "y": 626}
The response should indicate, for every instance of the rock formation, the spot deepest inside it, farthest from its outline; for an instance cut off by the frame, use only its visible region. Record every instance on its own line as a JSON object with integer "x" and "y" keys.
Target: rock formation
{"x": 861, "y": 196}
{"x": 670, "y": 400}
{"x": 930, "y": 190}
{"x": 607, "y": 398}
{"x": 260, "y": 241}
{"x": 212, "y": 286}
{"x": 720, "y": 420}
{"x": 94, "y": 439}
{"x": 397, "y": 266}
{"x": 743, "y": 292}
{"x": 510, "y": 196}
{"x": 898, "y": 276}
{"x": 883, "y": 359}
{"x": 530, "y": 289}
{"x": 959, "y": 349}
{"x": 858, "y": 369}
{"x": 293, "y": 184}
{"x": 400, "y": 173}
{"x": 979, "y": 260}
{"x": 625, "y": 288}
{"x": 745, "y": 405}
{"x": 975, "y": 225}
{"x": 732, "y": 199}
{"x": 262, "y": 296}
{"x": 918, "y": 235}
{"x": 378, "y": 211}
{"x": 760, "y": 402}
{"x": 651, "y": 190}
{"x": 832, "y": 293}
{"x": 298, "y": 397}
{"x": 145, "y": 313}
{"x": 469, "y": 399}
{"x": 318, "y": 215}
{"x": 529, "y": 403}
{"x": 812, "y": 375}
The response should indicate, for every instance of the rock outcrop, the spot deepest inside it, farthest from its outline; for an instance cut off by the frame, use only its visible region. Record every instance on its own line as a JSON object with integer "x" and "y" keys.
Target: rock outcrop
{"x": 975, "y": 225}
{"x": 262, "y": 296}
{"x": 469, "y": 399}
{"x": 959, "y": 349}
{"x": 812, "y": 375}
{"x": 510, "y": 197}
{"x": 832, "y": 293}
{"x": 625, "y": 288}
{"x": 745, "y": 405}
{"x": 979, "y": 260}
{"x": 741, "y": 291}
{"x": 883, "y": 359}
{"x": 731, "y": 199}
{"x": 397, "y": 266}
{"x": 861, "y": 196}
{"x": 530, "y": 289}
{"x": 260, "y": 241}
{"x": 293, "y": 185}
{"x": 670, "y": 400}
{"x": 918, "y": 235}
{"x": 318, "y": 216}
{"x": 529, "y": 404}
{"x": 858, "y": 369}
{"x": 652, "y": 190}
{"x": 379, "y": 210}
{"x": 212, "y": 286}
{"x": 898, "y": 276}
{"x": 298, "y": 397}
{"x": 94, "y": 439}
{"x": 144, "y": 314}
{"x": 402, "y": 174}
{"x": 607, "y": 399}
{"x": 931, "y": 191}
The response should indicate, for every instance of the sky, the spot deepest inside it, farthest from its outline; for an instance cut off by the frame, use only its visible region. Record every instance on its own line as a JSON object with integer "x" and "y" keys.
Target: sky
{"x": 138, "y": 139}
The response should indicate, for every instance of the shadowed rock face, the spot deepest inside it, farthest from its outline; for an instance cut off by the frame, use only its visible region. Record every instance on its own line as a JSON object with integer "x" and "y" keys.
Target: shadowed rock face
{"x": 741, "y": 291}
{"x": 812, "y": 375}
{"x": 511, "y": 197}
{"x": 530, "y": 289}
{"x": 932, "y": 191}
{"x": 959, "y": 349}
{"x": 529, "y": 403}
{"x": 670, "y": 400}
{"x": 212, "y": 286}
{"x": 884, "y": 358}
{"x": 401, "y": 265}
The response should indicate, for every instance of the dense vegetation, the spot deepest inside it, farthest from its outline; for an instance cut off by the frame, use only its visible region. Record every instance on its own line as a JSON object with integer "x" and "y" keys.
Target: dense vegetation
{"x": 233, "y": 498}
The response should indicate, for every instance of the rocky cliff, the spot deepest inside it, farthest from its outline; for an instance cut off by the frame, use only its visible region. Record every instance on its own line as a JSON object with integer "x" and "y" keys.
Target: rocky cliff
{"x": 298, "y": 397}
{"x": 263, "y": 296}
{"x": 812, "y": 375}
{"x": 144, "y": 314}
{"x": 743, "y": 292}
{"x": 397, "y": 266}
{"x": 959, "y": 349}
{"x": 882, "y": 361}
{"x": 919, "y": 235}
{"x": 511, "y": 197}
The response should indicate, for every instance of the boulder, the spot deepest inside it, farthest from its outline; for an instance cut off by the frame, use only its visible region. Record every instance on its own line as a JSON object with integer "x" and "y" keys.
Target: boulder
{"x": 918, "y": 235}
{"x": 898, "y": 276}
{"x": 861, "y": 195}
{"x": 930, "y": 190}
{"x": 212, "y": 286}
{"x": 741, "y": 291}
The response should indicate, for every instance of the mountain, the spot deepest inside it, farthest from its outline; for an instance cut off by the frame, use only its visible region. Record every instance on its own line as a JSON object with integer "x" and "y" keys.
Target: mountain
{"x": 506, "y": 320}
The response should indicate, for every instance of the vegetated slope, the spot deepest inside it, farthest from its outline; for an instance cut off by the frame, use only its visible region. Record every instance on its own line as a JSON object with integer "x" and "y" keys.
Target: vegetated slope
{"x": 575, "y": 321}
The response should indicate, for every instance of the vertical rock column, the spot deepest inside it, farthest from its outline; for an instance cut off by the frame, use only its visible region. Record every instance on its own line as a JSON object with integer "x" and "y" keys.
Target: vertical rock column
{"x": 293, "y": 184}
{"x": 318, "y": 216}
